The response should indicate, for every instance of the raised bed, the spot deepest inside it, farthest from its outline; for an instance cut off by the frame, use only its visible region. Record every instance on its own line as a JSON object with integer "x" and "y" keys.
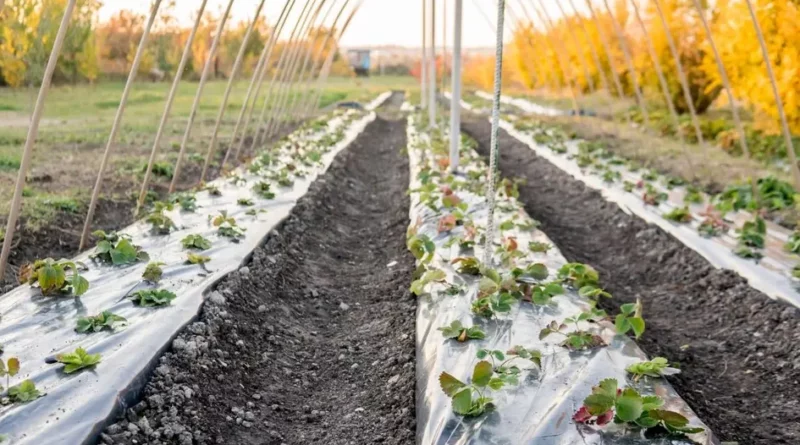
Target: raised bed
{"x": 449, "y": 216}
{"x": 75, "y": 407}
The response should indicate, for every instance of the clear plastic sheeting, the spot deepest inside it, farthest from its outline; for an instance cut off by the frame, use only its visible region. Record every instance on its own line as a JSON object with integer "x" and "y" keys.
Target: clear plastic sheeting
{"x": 539, "y": 410}
{"x": 76, "y": 407}
{"x": 524, "y": 105}
{"x": 771, "y": 275}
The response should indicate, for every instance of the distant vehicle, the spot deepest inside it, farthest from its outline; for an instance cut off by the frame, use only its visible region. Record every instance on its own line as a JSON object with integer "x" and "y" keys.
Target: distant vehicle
{"x": 359, "y": 61}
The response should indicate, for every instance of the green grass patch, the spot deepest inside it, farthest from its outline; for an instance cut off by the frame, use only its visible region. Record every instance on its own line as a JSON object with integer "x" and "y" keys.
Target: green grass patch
{"x": 9, "y": 107}
{"x": 144, "y": 98}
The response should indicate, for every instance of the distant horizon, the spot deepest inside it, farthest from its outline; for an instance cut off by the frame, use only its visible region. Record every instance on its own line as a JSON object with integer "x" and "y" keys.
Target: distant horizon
{"x": 377, "y": 23}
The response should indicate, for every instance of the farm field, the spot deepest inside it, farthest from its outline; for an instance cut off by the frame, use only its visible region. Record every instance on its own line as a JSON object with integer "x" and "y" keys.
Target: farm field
{"x": 551, "y": 230}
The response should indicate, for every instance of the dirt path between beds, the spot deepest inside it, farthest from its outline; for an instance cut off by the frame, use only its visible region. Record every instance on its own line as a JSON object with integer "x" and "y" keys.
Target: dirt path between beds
{"x": 313, "y": 341}
{"x": 739, "y": 350}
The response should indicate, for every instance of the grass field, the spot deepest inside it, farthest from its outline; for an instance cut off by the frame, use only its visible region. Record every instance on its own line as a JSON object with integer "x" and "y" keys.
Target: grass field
{"x": 77, "y": 121}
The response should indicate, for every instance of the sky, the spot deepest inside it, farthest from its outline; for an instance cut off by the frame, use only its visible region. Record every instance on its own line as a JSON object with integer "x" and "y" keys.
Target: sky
{"x": 378, "y": 22}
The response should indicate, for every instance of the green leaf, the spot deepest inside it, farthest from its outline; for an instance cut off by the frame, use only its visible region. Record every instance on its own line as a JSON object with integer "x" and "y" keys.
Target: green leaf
{"x": 450, "y": 385}
{"x": 462, "y": 401}
{"x": 607, "y": 387}
{"x": 496, "y": 383}
{"x": 537, "y": 271}
{"x": 652, "y": 402}
{"x": 453, "y": 330}
{"x": 629, "y": 405}
{"x": 628, "y": 308}
{"x": 598, "y": 404}
{"x": 152, "y": 297}
{"x": 637, "y": 323}
{"x": 77, "y": 360}
{"x": 482, "y": 373}
{"x": 123, "y": 253}
{"x": 498, "y": 355}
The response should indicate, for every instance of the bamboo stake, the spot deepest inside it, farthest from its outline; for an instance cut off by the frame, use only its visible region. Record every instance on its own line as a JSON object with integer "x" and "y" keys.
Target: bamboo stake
{"x": 423, "y": 67}
{"x": 687, "y": 95}
{"x": 628, "y": 60}
{"x": 231, "y": 80}
{"x": 33, "y": 131}
{"x": 787, "y": 135}
{"x": 117, "y": 122}
{"x": 273, "y": 40}
{"x": 198, "y": 94}
{"x": 253, "y": 86}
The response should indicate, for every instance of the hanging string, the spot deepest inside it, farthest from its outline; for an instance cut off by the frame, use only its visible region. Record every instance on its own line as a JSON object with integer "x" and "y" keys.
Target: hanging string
{"x": 493, "y": 145}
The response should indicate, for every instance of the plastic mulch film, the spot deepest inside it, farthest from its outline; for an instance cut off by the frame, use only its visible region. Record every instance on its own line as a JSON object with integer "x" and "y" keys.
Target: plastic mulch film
{"x": 75, "y": 407}
{"x": 771, "y": 275}
{"x": 539, "y": 409}
{"x": 524, "y": 105}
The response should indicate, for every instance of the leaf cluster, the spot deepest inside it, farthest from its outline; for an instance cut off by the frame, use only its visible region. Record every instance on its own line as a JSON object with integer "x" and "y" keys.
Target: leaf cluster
{"x": 96, "y": 323}
{"x": 153, "y": 272}
{"x": 75, "y": 361}
{"x": 196, "y": 241}
{"x": 117, "y": 249}
{"x": 152, "y": 297}
{"x": 461, "y": 333}
{"x": 51, "y": 277}
{"x": 656, "y": 367}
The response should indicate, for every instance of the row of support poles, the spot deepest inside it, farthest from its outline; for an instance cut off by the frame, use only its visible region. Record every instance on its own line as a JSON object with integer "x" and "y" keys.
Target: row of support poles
{"x": 432, "y": 69}
{"x": 455, "y": 88}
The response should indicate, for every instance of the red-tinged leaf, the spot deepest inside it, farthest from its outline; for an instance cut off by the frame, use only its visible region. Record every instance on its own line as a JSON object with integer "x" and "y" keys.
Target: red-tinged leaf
{"x": 511, "y": 244}
{"x": 482, "y": 373}
{"x": 582, "y": 415}
{"x": 446, "y": 223}
{"x": 604, "y": 418}
{"x": 446, "y": 190}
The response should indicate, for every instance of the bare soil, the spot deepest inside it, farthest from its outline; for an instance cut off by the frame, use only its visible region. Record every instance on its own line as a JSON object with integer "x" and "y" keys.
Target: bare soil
{"x": 739, "y": 351}
{"x": 313, "y": 341}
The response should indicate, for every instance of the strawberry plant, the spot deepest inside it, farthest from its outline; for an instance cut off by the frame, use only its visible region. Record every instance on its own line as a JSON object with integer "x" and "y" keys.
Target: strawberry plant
{"x": 247, "y": 202}
{"x": 186, "y": 200}
{"x": 657, "y": 367}
{"x": 468, "y": 265}
{"x": 196, "y": 241}
{"x": 117, "y": 249}
{"x": 96, "y": 323}
{"x": 630, "y": 319}
{"x": 652, "y": 196}
{"x": 532, "y": 273}
{"x": 431, "y": 276}
{"x": 593, "y": 293}
{"x": 628, "y": 186}
{"x": 461, "y": 333}
{"x": 539, "y": 247}
{"x": 152, "y": 297}
{"x": 671, "y": 182}
{"x": 793, "y": 244}
{"x": 24, "y": 392}
{"x": 578, "y": 339}
{"x": 262, "y": 188}
{"x": 51, "y": 277}
{"x": 226, "y": 226}
{"x": 510, "y": 188}
{"x": 542, "y": 294}
{"x": 693, "y": 196}
{"x": 213, "y": 190}
{"x": 153, "y": 272}
{"x": 469, "y": 400}
{"x": 579, "y": 275}
{"x": 195, "y": 258}
{"x": 75, "y": 361}
{"x": 751, "y": 237}
{"x": 679, "y": 214}
{"x": 712, "y": 226}
{"x": 160, "y": 223}
{"x": 611, "y": 176}
{"x": 489, "y": 305}
{"x": 421, "y": 247}
{"x": 9, "y": 369}
{"x": 501, "y": 363}
{"x": 626, "y": 406}
{"x": 529, "y": 225}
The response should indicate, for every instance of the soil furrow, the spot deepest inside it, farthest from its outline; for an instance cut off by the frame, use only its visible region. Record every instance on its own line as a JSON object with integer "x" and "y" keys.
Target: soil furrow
{"x": 739, "y": 350}
{"x": 313, "y": 341}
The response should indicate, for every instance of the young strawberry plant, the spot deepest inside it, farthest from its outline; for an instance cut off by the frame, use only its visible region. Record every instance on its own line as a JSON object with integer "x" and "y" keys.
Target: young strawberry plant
{"x": 212, "y": 190}
{"x": 693, "y": 196}
{"x": 626, "y": 406}
{"x": 628, "y": 186}
{"x": 498, "y": 302}
{"x": 542, "y": 294}
{"x": 751, "y": 237}
{"x": 578, "y": 339}
{"x": 160, "y": 223}
{"x": 467, "y": 265}
{"x": 247, "y": 202}
{"x": 679, "y": 214}
{"x": 421, "y": 247}
{"x": 470, "y": 400}
{"x": 196, "y": 258}
{"x": 712, "y": 226}
{"x": 117, "y": 249}
{"x": 658, "y": 367}
{"x": 461, "y": 333}
{"x": 431, "y": 276}
{"x": 652, "y": 196}
{"x": 152, "y": 297}
{"x": 227, "y": 227}
{"x": 196, "y": 241}
{"x": 579, "y": 275}
{"x": 793, "y": 244}
{"x": 539, "y": 247}
{"x": 75, "y": 361}
{"x": 630, "y": 319}
{"x": 51, "y": 277}
{"x": 24, "y": 392}
{"x": 9, "y": 369}
{"x": 186, "y": 200}
{"x": 505, "y": 372}
{"x": 262, "y": 188}
{"x": 96, "y": 323}
{"x": 153, "y": 272}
